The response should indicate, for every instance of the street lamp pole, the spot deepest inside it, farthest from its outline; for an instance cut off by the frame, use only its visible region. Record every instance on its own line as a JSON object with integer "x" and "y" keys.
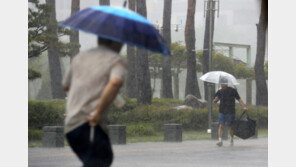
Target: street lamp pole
{"x": 210, "y": 107}
{"x": 211, "y": 9}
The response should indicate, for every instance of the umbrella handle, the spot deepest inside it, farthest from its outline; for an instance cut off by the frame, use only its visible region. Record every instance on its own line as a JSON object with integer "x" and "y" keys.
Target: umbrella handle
{"x": 92, "y": 134}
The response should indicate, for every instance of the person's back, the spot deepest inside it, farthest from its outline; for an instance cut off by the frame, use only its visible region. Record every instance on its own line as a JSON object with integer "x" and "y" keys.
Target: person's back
{"x": 92, "y": 82}
{"x": 90, "y": 72}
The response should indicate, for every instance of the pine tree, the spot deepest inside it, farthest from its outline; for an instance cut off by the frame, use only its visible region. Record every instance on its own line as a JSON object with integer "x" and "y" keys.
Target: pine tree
{"x": 143, "y": 73}
{"x": 131, "y": 81}
{"x": 74, "y": 38}
{"x": 43, "y": 35}
{"x": 167, "y": 91}
{"x": 261, "y": 86}
{"x": 191, "y": 79}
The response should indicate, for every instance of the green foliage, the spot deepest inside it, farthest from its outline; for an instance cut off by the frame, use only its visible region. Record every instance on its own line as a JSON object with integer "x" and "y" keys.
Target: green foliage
{"x": 46, "y": 113}
{"x": 41, "y": 29}
{"x": 33, "y": 74}
{"x": 140, "y": 130}
{"x": 220, "y": 62}
{"x": 166, "y": 102}
{"x": 223, "y": 63}
{"x": 34, "y": 134}
{"x": 196, "y": 119}
{"x": 146, "y": 118}
{"x": 241, "y": 71}
{"x": 178, "y": 54}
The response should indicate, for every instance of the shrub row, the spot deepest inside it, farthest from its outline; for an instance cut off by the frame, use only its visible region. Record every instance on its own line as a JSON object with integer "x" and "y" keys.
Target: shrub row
{"x": 34, "y": 134}
{"x": 44, "y": 113}
{"x": 140, "y": 130}
{"x": 196, "y": 119}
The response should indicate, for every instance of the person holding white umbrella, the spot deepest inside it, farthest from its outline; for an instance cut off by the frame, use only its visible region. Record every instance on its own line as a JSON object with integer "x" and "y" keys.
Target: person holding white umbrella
{"x": 227, "y": 96}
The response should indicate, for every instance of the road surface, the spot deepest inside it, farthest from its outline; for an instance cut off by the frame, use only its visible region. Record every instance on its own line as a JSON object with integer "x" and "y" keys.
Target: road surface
{"x": 203, "y": 153}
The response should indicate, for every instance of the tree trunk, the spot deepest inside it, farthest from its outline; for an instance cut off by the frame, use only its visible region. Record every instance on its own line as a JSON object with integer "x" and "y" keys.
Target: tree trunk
{"x": 75, "y": 7}
{"x": 53, "y": 56}
{"x": 104, "y": 2}
{"x": 131, "y": 81}
{"x": 143, "y": 73}
{"x": 191, "y": 79}
{"x": 206, "y": 57}
{"x": 261, "y": 87}
{"x": 167, "y": 91}
{"x": 176, "y": 85}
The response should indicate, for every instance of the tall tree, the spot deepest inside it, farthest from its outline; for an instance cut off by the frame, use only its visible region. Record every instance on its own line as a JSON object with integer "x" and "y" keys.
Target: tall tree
{"x": 75, "y": 7}
{"x": 206, "y": 57}
{"x": 53, "y": 55}
{"x": 167, "y": 91}
{"x": 131, "y": 82}
{"x": 43, "y": 35}
{"x": 191, "y": 79}
{"x": 104, "y": 2}
{"x": 143, "y": 73}
{"x": 261, "y": 87}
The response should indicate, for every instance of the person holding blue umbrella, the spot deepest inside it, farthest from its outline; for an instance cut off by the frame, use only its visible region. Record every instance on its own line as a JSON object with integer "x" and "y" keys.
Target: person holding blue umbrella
{"x": 95, "y": 76}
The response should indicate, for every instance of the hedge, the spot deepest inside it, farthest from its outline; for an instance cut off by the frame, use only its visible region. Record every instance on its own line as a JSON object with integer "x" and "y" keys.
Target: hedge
{"x": 46, "y": 113}
{"x": 42, "y": 113}
{"x": 140, "y": 130}
{"x": 196, "y": 119}
{"x": 34, "y": 134}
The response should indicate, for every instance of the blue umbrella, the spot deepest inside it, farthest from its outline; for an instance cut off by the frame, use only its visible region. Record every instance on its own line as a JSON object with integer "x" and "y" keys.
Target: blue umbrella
{"x": 118, "y": 24}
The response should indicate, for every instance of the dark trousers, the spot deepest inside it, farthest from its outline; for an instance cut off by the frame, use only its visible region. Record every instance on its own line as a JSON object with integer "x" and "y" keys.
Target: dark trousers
{"x": 95, "y": 154}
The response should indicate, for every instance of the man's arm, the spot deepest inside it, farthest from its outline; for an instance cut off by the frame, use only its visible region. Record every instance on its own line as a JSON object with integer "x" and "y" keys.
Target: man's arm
{"x": 242, "y": 104}
{"x": 108, "y": 95}
{"x": 216, "y": 100}
{"x": 67, "y": 80}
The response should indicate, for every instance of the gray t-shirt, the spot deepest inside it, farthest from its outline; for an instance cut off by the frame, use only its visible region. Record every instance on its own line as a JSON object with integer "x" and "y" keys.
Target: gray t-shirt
{"x": 86, "y": 78}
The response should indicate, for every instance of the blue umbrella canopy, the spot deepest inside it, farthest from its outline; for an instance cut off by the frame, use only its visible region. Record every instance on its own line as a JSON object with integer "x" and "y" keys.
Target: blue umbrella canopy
{"x": 118, "y": 24}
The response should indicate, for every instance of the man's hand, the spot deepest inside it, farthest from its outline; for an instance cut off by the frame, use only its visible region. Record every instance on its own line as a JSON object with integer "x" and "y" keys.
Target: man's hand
{"x": 216, "y": 100}
{"x": 65, "y": 88}
{"x": 94, "y": 119}
{"x": 245, "y": 109}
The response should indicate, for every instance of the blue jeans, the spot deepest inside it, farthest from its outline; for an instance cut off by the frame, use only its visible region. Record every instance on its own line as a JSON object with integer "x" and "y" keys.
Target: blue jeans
{"x": 227, "y": 119}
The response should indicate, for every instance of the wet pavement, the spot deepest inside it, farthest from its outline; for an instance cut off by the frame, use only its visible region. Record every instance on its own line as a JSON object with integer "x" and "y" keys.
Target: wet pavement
{"x": 203, "y": 153}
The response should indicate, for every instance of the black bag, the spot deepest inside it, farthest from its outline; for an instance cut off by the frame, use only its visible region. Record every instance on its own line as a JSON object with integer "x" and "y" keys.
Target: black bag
{"x": 244, "y": 128}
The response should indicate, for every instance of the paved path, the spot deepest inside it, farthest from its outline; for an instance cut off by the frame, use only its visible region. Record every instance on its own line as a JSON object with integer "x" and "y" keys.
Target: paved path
{"x": 203, "y": 153}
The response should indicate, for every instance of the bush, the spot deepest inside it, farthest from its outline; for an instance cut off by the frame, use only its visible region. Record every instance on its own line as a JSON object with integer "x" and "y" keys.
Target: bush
{"x": 166, "y": 102}
{"x": 196, "y": 119}
{"x": 42, "y": 113}
{"x": 46, "y": 113}
{"x": 33, "y": 74}
{"x": 34, "y": 134}
{"x": 140, "y": 130}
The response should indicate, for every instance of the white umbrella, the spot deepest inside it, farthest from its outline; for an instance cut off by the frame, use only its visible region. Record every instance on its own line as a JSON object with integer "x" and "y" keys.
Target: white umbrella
{"x": 219, "y": 77}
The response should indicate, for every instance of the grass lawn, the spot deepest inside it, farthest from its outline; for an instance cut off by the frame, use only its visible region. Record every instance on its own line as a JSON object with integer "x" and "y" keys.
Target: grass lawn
{"x": 186, "y": 135}
{"x": 158, "y": 137}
